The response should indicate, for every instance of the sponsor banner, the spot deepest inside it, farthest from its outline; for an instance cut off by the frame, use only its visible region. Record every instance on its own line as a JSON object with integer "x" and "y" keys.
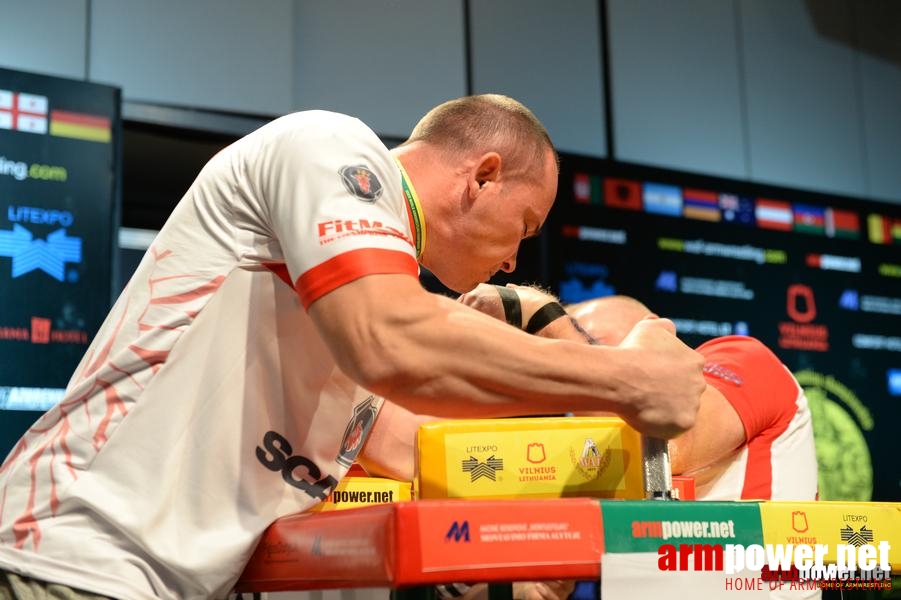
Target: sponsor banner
{"x": 669, "y": 281}
{"x": 26, "y": 398}
{"x": 20, "y": 170}
{"x": 529, "y": 457}
{"x": 889, "y": 270}
{"x": 849, "y": 300}
{"x": 709, "y": 328}
{"x": 485, "y": 536}
{"x": 353, "y": 492}
{"x": 867, "y": 341}
{"x": 584, "y": 281}
{"x": 834, "y": 524}
{"x": 641, "y": 526}
{"x": 428, "y": 542}
{"x": 636, "y": 576}
{"x": 802, "y": 333}
{"x": 660, "y": 199}
{"x": 716, "y": 288}
{"x": 595, "y": 234}
{"x": 894, "y": 381}
{"x": 29, "y": 254}
{"x": 730, "y": 251}
{"x": 831, "y": 262}
{"x": 880, "y": 304}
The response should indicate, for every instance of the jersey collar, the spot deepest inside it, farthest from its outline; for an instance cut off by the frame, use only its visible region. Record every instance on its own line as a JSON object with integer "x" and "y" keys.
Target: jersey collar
{"x": 414, "y": 210}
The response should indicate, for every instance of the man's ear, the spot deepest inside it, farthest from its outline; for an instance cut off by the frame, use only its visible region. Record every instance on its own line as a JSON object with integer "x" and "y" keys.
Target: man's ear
{"x": 486, "y": 170}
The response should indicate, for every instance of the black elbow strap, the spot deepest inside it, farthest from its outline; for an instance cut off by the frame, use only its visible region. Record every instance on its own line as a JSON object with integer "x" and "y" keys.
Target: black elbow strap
{"x": 544, "y": 316}
{"x": 512, "y": 306}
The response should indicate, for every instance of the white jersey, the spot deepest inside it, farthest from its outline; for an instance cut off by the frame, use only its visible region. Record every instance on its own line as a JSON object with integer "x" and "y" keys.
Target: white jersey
{"x": 208, "y": 405}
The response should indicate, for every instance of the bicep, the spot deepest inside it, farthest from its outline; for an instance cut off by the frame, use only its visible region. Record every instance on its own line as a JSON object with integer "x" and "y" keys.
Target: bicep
{"x": 718, "y": 431}
{"x": 359, "y": 319}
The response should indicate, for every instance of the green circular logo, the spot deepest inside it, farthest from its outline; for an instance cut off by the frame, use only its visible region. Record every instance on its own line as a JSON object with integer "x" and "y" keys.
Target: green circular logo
{"x": 843, "y": 457}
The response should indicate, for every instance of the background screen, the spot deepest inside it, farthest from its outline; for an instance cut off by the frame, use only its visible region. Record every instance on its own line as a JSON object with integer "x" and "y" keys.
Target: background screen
{"x": 59, "y": 171}
{"x": 816, "y": 277}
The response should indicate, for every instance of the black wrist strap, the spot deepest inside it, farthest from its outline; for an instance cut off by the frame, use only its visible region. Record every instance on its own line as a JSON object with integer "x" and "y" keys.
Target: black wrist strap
{"x": 512, "y": 306}
{"x": 544, "y": 316}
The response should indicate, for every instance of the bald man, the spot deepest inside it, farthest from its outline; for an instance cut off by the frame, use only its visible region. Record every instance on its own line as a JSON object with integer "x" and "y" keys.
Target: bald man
{"x": 753, "y": 438}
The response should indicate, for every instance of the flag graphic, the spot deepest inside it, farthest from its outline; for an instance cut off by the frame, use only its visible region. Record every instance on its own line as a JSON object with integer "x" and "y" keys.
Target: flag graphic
{"x": 773, "y": 214}
{"x": 809, "y": 219}
{"x": 736, "y": 209}
{"x": 23, "y": 112}
{"x": 663, "y": 199}
{"x": 622, "y": 193}
{"x": 879, "y": 229}
{"x": 581, "y": 188}
{"x": 80, "y": 126}
{"x": 700, "y": 204}
{"x": 587, "y": 188}
{"x": 842, "y": 223}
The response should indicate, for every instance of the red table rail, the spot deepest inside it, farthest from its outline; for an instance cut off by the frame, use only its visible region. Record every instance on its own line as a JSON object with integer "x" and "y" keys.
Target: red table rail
{"x": 429, "y": 542}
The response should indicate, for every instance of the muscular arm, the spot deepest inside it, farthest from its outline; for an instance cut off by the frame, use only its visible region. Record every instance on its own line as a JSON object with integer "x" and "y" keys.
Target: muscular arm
{"x": 435, "y": 356}
{"x": 717, "y": 433}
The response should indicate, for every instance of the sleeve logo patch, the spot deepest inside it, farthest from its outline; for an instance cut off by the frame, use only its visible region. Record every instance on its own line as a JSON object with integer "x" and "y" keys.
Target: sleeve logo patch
{"x": 361, "y": 182}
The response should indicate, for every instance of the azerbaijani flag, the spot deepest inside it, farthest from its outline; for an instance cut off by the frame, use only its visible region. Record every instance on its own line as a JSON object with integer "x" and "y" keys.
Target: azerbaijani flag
{"x": 809, "y": 219}
{"x": 80, "y": 126}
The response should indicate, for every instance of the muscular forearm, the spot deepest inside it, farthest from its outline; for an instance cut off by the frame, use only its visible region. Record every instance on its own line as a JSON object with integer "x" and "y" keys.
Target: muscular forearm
{"x": 435, "y": 356}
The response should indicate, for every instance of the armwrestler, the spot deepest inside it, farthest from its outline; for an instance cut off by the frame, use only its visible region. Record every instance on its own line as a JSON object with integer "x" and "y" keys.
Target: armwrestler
{"x": 752, "y": 439}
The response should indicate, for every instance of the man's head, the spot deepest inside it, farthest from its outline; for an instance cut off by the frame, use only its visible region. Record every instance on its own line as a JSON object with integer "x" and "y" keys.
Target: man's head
{"x": 486, "y": 172}
{"x": 609, "y": 319}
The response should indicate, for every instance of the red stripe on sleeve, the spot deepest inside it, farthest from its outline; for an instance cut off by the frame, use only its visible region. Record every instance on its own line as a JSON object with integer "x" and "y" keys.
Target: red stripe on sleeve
{"x": 349, "y": 266}
{"x": 764, "y": 397}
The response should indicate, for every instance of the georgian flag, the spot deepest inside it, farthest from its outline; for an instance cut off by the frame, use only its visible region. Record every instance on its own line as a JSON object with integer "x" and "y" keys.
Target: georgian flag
{"x": 23, "y": 112}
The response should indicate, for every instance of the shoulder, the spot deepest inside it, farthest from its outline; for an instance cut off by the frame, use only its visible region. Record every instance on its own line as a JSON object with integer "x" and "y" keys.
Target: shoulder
{"x": 743, "y": 365}
{"x": 739, "y": 349}
{"x": 318, "y": 124}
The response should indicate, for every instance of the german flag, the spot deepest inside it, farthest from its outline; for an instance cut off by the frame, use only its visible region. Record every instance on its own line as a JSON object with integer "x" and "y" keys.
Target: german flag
{"x": 80, "y": 126}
